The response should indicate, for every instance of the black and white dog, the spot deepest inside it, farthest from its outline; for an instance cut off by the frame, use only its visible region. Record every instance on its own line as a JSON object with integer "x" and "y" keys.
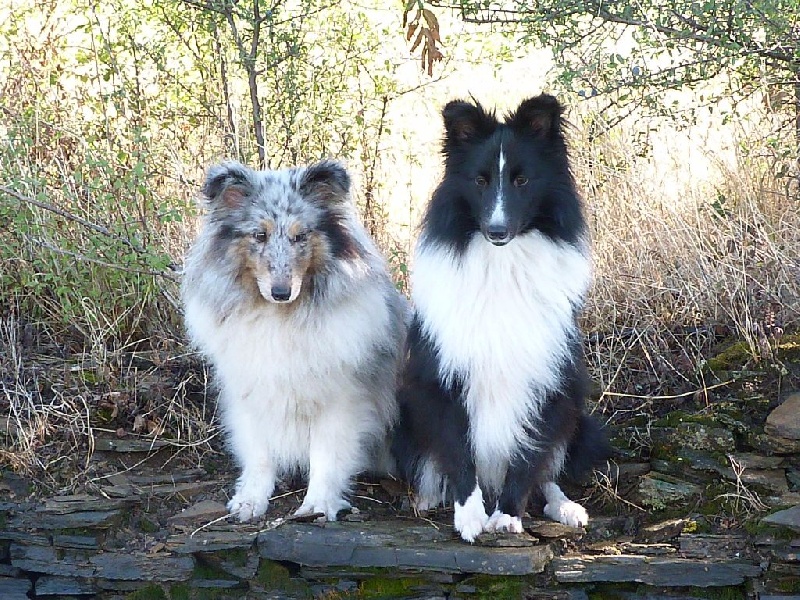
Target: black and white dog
{"x": 492, "y": 397}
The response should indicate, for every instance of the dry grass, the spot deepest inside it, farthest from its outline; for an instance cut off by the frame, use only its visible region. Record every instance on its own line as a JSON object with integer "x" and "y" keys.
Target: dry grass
{"x": 53, "y": 408}
{"x": 32, "y": 420}
{"x": 683, "y": 263}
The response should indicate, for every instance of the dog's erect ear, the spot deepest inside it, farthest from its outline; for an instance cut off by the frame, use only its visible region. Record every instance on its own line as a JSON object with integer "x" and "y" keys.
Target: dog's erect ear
{"x": 325, "y": 181}
{"x": 464, "y": 121}
{"x": 540, "y": 115}
{"x": 228, "y": 185}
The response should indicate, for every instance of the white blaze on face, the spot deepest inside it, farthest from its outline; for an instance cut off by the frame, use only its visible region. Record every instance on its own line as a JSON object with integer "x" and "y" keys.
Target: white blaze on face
{"x": 499, "y": 214}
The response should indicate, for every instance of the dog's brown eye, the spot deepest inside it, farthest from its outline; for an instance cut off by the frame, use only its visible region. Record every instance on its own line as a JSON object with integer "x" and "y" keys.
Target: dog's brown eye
{"x": 260, "y": 236}
{"x": 520, "y": 180}
{"x": 480, "y": 180}
{"x": 300, "y": 237}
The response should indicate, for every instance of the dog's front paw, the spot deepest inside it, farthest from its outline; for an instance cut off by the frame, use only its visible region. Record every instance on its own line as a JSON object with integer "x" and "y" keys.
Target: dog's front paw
{"x": 247, "y": 508}
{"x": 470, "y": 518}
{"x": 500, "y": 521}
{"x": 330, "y": 507}
{"x": 251, "y": 499}
{"x": 568, "y": 513}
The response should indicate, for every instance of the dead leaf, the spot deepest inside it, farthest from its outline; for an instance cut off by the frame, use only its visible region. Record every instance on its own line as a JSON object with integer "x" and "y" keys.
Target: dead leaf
{"x": 154, "y": 428}
{"x": 139, "y": 424}
{"x": 418, "y": 41}
{"x": 430, "y": 19}
{"x": 427, "y": 32}
{"x": 157, "y": 547}
{"x": 411, "y": 29}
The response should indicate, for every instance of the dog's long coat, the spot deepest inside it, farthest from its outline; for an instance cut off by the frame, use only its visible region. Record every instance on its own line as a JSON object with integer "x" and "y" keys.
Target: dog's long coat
{"x": 291, "y": 301}
{"x": 492, "y": 398}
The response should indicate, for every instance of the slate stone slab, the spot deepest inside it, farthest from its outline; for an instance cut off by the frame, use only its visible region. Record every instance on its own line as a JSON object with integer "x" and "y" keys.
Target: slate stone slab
{"x": 65, "y": 512}
{"x": 360, "y": 574}
{"x": 62, "y": 505}
{"x": 187, "y": 490}
{"x": 784, "y": 554}
{"x": 218, "y": 584}
{"x": 553, "y": 530}
{"x": 784, "y": 421}
{"x": 23, "y": 536}
{"x": 204, "y": 511}
{"x": 396, "y": 546}
{"x": 647, "y": 549}
{"x": 14, "y": 589}
{"x": 9, "y": 571}
{"x": 773, "y": 443}
{"x": 656, "y": 571}
{"x": 749, "y": 460}
{"x": 211, "y": 541}
{"x": 183, "y": 476}
{"x": 659, "y": 490}
{"x": 127, "y": 444}
{"x": 773, "y": 480}
{"x": 91, "y": 519}
{"x": 714, "y": 546}
{"x": 108, "y": 565}
{"x": 697, "y": 436}
{"x": 793, "y": 475}
{"x": 82, "y": 542}
{"x": 49, "y": 585}
{"x": 785, "y": 518}
{"x": 117, "y": 585}
{"x": 242, "y": 564}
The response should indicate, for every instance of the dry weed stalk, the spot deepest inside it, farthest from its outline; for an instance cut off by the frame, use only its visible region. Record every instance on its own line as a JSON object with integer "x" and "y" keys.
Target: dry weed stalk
{"x": 743, "y": 500}
{"x": 604, "y": 489}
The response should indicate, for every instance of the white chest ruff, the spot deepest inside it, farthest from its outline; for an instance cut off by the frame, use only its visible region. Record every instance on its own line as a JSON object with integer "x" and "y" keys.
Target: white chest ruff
{"x": 290, "y": 366}
{"x": 501, "y": 319}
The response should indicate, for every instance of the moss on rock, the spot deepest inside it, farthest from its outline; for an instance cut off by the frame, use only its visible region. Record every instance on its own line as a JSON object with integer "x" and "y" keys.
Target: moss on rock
{"x": 273, "y": 576}
{"x": 151, "y": 592}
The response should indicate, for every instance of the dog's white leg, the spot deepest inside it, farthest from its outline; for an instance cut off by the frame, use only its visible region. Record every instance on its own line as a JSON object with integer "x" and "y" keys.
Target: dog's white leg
{"x": 257, "y": 481}
{"x": 562, "y": 509}
{"x": 336, "y": 455}
{"x": 470, "y": 518}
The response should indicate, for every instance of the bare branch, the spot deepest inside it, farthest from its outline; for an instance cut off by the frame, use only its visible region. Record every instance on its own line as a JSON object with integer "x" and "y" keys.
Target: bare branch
{"x": 102, "y": 263}
{"x": 71, "y": 217}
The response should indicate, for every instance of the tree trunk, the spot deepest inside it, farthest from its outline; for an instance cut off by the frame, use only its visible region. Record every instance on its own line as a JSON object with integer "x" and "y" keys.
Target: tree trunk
{"x": 797, "y": 113}
{"x": 232, "y": 135}
{"x": 252, "y": 82}
{"x": 258, "y": 125}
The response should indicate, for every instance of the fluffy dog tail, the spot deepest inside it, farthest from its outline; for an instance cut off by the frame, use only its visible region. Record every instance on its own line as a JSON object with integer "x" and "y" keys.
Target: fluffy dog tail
{"x": 588, "y": 449}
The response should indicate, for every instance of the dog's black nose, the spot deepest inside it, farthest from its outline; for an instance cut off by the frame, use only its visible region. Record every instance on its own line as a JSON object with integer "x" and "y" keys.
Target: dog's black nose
{"x": 281, "y": 293}
{"x": 498, "y": 234}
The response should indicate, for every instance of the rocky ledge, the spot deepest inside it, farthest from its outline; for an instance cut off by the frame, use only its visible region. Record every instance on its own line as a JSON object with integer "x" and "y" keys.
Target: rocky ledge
{"x": 67, "y": 547}
{"x": 698, "y": 504}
